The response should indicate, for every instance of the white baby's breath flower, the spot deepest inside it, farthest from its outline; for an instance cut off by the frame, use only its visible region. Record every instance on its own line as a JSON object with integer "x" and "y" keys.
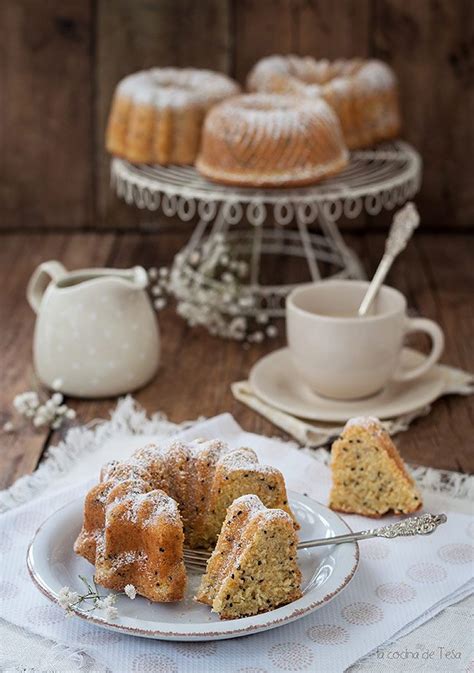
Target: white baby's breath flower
{"x": 8, "y": 427}
{"x": 164, "y": 272}
{"x": 100, "y": 604}
{"x": 70, "y": 413}
{"x": 111, "y": 613}
{"x": 152, "y": 273}
{"x": 63, "y": 597}
{"x": 110, "y": 600}
{"x": 73, "y": 597}
{"x": 156, "y": 290}
{"x": 57, "y": 384}
{"x": 272, "y": 331}
{"x": 26, "y": 403}
{"x": 130, "y": 591}
{"x": 159, "y": 304}
{"x": 67, "y": 598}
{"x": 57, "y": 399}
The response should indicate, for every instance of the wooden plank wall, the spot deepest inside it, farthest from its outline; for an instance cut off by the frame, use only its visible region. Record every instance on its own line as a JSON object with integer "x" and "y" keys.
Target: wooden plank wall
{"x": 61, "y": 59}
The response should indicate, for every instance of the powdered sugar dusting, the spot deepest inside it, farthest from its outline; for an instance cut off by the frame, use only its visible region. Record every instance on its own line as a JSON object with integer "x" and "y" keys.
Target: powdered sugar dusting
{"x": 128, "y": 557}
{"x": 271, "y": 139}
{"x": 176, "y": 87}
{"x": 301, "y": 72}
{"x": 364, "y": 422}
{"x": 255, "y": 507}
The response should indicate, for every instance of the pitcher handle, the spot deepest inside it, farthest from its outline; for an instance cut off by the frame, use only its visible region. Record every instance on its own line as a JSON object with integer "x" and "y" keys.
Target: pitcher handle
{"x": 39, "y": 281}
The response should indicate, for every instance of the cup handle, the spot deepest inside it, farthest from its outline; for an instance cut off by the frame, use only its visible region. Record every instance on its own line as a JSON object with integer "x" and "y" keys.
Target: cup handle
{"x": 40, "y": 280}
{"x": 437, "y": 338}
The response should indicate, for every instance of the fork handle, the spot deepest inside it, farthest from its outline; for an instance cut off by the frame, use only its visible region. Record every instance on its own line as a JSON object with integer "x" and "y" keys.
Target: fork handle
{"x": 414, "y": 525}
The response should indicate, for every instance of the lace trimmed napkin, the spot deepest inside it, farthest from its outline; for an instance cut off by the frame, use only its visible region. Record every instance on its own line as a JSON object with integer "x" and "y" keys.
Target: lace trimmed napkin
{"x": 399, "y": 586}
{"x": 456, "y": 382}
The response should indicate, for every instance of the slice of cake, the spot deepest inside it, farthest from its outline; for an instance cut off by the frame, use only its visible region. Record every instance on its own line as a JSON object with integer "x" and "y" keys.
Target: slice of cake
{"x": 253, "y": 567}
{"x": 142, "y": 543}
{"x": 368, "y": 474}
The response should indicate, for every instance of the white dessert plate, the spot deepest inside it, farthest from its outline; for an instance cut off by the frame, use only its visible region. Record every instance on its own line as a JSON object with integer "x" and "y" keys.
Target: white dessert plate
{"x": 326, "y": 571}
{"x": 274, "y": 379}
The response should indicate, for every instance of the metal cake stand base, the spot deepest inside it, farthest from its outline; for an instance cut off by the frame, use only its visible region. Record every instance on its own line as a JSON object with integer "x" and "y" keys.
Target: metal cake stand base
{"x": 217, "y": 277}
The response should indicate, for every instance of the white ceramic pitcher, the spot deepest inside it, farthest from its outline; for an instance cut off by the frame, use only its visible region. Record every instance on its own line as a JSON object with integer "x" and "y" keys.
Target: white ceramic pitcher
{"x": 96, "y": 331}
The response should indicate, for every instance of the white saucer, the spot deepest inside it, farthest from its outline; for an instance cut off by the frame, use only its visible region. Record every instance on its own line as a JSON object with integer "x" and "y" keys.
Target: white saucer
{"x": 275, "y": 381}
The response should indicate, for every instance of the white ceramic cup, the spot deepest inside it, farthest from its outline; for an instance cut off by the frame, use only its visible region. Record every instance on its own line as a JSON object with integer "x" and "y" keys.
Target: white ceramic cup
{"x": 344, "y": 357}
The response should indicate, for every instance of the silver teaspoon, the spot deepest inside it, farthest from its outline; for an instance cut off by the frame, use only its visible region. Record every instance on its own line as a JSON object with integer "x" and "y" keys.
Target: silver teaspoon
{"x": 403, "y": 225}
{"x": 425, "y": 524}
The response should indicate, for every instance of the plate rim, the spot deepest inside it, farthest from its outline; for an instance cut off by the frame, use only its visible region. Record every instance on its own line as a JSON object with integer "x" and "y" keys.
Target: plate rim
{"x": 205, "y": 635}
{"x": 330, "y": 416}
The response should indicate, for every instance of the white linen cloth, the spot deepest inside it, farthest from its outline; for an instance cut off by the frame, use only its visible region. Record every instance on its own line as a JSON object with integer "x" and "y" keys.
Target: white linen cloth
{"x": 400, "y": 584}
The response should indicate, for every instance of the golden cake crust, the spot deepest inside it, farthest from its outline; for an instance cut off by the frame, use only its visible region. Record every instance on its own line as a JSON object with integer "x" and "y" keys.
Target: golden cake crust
{"x": 265, "y": 140}
{"x": 363, "y": 93}
{"x": 157, "y": 114}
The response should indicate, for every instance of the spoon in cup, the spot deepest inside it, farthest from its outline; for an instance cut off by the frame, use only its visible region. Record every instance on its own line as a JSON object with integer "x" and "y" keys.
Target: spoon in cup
{"x": 404, "y": 223}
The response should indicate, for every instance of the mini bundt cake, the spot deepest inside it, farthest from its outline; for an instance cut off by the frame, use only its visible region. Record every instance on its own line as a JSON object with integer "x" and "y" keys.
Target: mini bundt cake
{"x": 368, "y": 474}
{"x": 363, "y": 93}
{"x": 265, "y": 140}
{"x": 253, "y": 567}
{"x": 157, "y": 114}
{"x": 200, "y": 478}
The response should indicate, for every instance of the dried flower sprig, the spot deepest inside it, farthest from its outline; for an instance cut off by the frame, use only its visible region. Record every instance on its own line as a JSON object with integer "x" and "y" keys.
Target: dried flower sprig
{"x": 94, "y": 600}
{"x": 159, "y": 279}
{"x": 211, "y": 286}
{"x": 44, "y": 411}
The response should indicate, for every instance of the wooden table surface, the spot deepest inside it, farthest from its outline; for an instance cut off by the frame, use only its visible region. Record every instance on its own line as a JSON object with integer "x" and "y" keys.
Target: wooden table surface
{"x": 436, "y": 273}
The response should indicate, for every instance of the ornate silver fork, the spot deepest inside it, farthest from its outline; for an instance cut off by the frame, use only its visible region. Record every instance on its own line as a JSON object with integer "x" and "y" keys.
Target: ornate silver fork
{"x": 425, "y": 524}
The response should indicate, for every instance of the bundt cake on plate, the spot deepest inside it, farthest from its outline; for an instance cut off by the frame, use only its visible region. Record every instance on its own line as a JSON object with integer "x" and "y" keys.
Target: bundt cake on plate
{"x": 265, "y": 140}
{"x": 368, "y": 474}
{"x": 143, "y": 509}
{"x": 253, "y": 567}
{"x": 363, "y": 93}
{"x": 157, "y": 114}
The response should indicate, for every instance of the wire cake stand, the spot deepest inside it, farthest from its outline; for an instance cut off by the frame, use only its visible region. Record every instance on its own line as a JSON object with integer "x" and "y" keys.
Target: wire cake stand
{"x": 216, "y": 277}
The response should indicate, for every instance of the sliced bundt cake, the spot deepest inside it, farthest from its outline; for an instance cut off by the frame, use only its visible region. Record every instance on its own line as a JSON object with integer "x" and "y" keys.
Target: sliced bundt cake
{"x": 253, "y": 567}
{"x": 198, "y": 481}
{"x": 368, "y": 474}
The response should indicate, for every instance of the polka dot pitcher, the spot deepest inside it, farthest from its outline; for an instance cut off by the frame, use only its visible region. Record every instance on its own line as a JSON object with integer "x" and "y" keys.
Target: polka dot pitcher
{"x": 96, "y": 333}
